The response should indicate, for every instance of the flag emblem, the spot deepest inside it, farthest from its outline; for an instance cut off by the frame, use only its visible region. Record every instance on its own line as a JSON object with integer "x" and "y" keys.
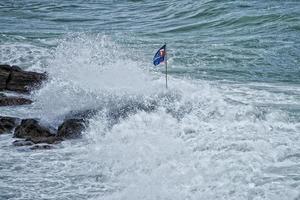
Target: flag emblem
{"x": 162, "y": 52}
{"x": 159, "y": 56}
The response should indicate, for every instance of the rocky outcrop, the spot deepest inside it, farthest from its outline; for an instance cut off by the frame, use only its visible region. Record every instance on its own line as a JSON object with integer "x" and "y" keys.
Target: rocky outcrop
{"x": 48, "y": 140}
{"x": 4, "y": 76}
{"x": 37, "y": 140}
{"x": 34, "y": 133}
{"x": 19, "y": 143}
{"x": 13, "y": 101}
{"x": 30, "y": 128}
{"x": 71, "y": 128}
{"x": 7, "y": 124}
{"x": 15, "y": 79}
{"x": 31, "y": 132}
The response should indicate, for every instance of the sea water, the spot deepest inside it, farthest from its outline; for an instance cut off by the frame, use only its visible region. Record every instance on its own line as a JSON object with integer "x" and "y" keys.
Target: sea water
{"x": 228, "y": 127}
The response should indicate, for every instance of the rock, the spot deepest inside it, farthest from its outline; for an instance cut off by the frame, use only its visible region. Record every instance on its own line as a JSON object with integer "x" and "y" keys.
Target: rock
{"x": 15, "y": 79}
{"x": 14, "y": 101}
{"x": 48, "y": 140}
{"x": 81, "y": 114}
{"x": 122, "y": 111}
{"x": 37, "y": 140}
{"x": 7, "y": 124}
{"x": 20, "y": 143}
{"x": 30, "y": 128}
{"x": 22, "y": 81}
{"x": 71, "y": 128}
{"x": 41, "y": 147}
{"x": 4, "y": 74}
{"x": 74, "y": 123}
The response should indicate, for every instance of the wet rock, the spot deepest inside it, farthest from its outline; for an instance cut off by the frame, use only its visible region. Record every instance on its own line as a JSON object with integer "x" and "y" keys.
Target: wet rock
{"x": 82, "y": 114}
{"x": 19, "y": 143}
{"x": 41, "y": 147}
{"x": 71, "y": 128}
{"x": 22, "y": 81}
{"x": 7, "y": 124}
{"x": 126, "y": 109}
{"x": 14, "y": 78}
{"x": 38, "y": 140}
{"x": 48, "y": 140}
{"x": 30, "y": 128}
{"x": 4, "y": 74}
{"x": 14, "y": 101}
{"x": 75, "y": 122}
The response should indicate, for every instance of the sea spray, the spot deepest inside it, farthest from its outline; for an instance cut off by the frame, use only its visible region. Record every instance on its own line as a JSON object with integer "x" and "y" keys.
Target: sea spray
{"x": 86, "y": 71}
{"x": 199, "y": 139}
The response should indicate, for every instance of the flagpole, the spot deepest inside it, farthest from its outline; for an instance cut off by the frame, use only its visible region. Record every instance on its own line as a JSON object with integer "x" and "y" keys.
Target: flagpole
{"x": 166, "y": 63}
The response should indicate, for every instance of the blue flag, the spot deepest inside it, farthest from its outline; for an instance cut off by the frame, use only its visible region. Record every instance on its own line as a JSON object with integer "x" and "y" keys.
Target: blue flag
{"x": 159, "y": 56}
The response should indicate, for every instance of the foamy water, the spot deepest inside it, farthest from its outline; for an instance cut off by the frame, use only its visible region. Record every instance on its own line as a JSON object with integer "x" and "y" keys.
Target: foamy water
{"x": 201, "y": 139}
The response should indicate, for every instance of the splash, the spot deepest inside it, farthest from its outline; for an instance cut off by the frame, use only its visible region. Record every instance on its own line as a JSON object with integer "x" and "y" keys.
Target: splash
{"x": 198, "y": 145}
{"x": 89, "y": 72}
{"x": 198, "y": 140}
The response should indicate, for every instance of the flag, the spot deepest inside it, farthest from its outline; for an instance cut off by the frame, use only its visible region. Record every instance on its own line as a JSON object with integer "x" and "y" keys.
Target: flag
{"x": 159, "y": 56}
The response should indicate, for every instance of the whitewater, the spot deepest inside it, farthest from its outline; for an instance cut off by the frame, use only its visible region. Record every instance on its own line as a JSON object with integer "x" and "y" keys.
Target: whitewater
{"x": 198, "y": 140}
{"x": 218, "y": 132}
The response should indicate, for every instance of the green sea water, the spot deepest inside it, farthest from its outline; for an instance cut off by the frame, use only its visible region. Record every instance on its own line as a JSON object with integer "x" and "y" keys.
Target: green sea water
{"x": 232, "y": 40}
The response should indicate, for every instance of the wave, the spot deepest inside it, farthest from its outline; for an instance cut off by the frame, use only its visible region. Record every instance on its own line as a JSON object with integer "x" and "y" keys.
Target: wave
{"x": 199, "y": 139}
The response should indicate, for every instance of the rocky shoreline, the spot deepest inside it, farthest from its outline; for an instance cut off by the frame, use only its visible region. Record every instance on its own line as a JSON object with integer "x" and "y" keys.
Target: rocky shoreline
{"x": 30, "y": 132}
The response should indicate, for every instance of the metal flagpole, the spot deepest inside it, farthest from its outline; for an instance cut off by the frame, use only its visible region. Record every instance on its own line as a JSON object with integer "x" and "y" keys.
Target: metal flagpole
{"x": 166, "y": 63}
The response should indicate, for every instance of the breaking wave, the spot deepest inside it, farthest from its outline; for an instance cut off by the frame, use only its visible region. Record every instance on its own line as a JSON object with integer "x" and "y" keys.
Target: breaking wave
{"x": 198, "y": 140}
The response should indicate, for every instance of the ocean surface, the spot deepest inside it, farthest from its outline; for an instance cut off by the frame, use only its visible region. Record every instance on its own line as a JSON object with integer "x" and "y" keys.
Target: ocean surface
{"x": 228, "y": 127}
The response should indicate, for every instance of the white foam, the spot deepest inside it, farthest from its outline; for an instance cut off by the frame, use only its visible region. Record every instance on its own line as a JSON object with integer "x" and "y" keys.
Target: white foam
{"x": 203, "y": 140}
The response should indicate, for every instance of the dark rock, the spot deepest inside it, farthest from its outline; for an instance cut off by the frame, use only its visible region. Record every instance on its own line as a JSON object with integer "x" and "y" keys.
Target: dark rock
{"x": 81, "y": 114}
{"x": 41, "y": 147}
{"x": 22, "y": 81}
{"x": 30, "y": 128}
{"x": 38, "y": 140}
{"x": 19, "y": 143}
{"x": 48, "y": 140}
{"x": 4, "y": 74}
{"x": 14, "y": 101}
{"x": 15, "y": 79}
{"x": 74, "y": 123}
{"x": 71, "y": 128}
{"x": 122, "y": 111}
{"x": 7, "y": 124}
